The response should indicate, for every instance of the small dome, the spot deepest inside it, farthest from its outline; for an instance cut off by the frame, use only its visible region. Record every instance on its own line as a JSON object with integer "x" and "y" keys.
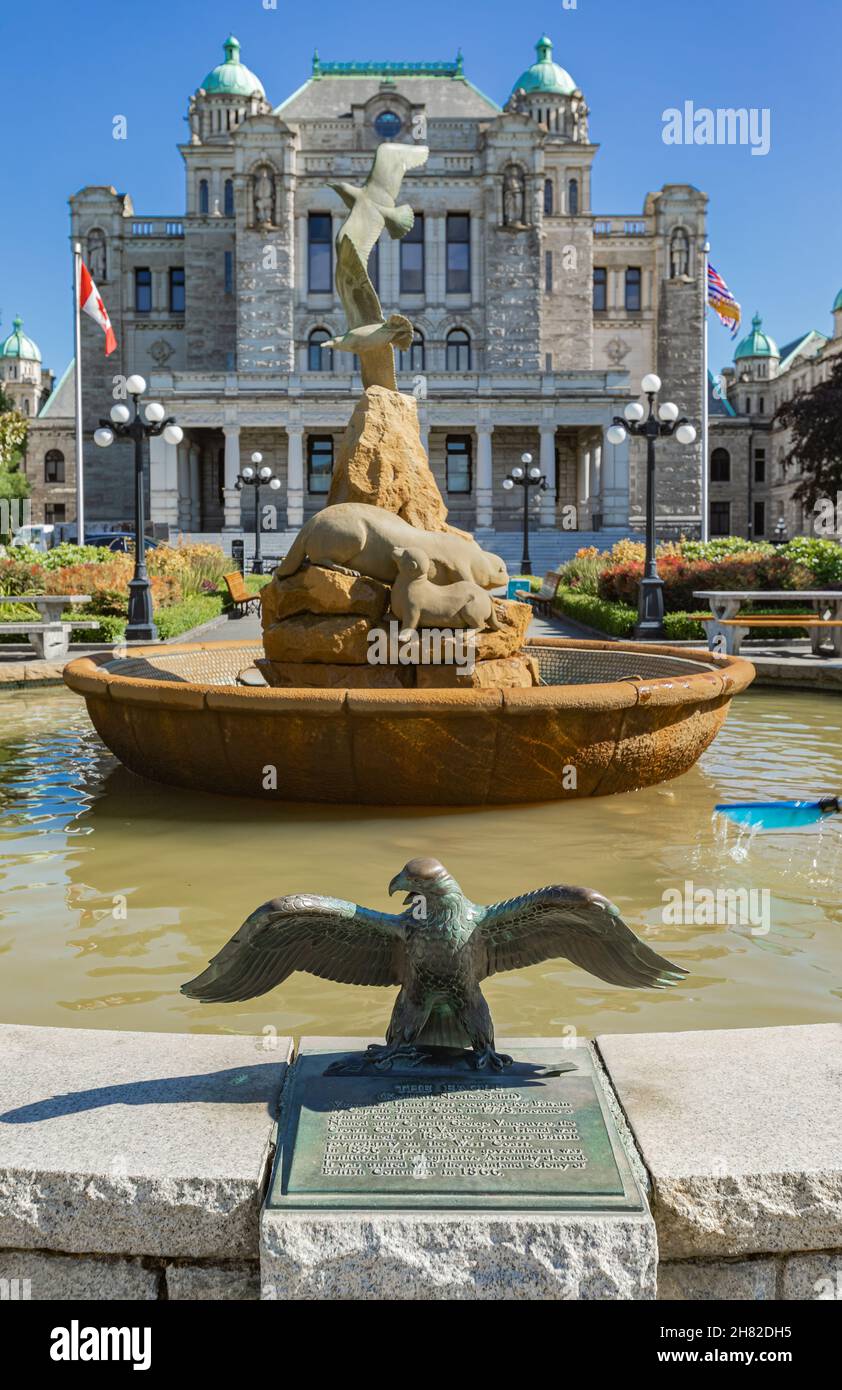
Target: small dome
{"x": 837, "y": 303}
{"x": 232, "y": 78}
{"x": 757, "y": 344}
{"x": 18, "y": 345}
{"x": 544, "y": 75}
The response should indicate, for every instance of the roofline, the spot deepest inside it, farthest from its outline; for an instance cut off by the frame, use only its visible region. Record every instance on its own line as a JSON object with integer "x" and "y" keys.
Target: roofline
{"x": 364, "y": 76}
{"x": 48, "y": 402}
{"x": 811, "y": 333}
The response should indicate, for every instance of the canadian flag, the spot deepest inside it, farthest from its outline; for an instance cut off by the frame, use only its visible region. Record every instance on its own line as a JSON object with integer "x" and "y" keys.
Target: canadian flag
{"x": 90, "y": 300}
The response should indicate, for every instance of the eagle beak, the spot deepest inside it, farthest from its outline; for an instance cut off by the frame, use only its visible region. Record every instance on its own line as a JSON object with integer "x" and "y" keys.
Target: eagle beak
{"x": 399, "y": 883}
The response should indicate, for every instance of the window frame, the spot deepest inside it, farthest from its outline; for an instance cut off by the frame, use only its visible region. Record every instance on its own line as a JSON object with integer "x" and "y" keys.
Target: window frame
{"x": 720, "y": 465}
{"x": 457, "y": 277}
{"x": 138, "y": 286}
{"x": 312, "y": 343}
{"x": 172, "y": 284}
{"x": 629, "y": 284}
{"x": 313, "y": 243}
{"x": 228, "y": 207}
{"x": 465, "y": 453}
{"x": 59, "y": 462}
{"x": 573, "y": 197}
{"x": 413, "y": 238}
{"x": 600, "y": 281}
{"x": 720, "y": 506}
{"x": 312, "y": 473}
{"x": 412, "y": 366}
{"x": 457, "y": 344}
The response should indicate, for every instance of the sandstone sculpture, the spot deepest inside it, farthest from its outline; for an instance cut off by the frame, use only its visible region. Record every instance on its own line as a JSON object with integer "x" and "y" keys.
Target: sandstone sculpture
{"x": 417, "y": 602}
{"x": 365, "y": 538}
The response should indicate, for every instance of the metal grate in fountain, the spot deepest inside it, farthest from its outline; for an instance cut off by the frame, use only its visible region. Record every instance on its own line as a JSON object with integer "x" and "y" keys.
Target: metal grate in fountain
{"x": 587, "y": 666}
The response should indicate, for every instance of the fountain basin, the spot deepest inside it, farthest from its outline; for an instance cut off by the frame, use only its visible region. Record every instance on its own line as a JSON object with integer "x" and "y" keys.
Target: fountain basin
{"x": 611, "y": 717}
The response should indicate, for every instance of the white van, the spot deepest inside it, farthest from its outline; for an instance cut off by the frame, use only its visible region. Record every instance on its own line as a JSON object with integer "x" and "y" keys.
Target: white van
{"x": 39, "y": 536}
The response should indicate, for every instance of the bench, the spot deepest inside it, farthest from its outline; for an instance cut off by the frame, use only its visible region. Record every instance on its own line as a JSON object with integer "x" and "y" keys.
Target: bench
{"x": 241, "y": 600}
{"x": 747, "y": 621}
{"x": 727, "y": 623}
{"x": 543, "y": 600}
{"x": 49, "y": 640}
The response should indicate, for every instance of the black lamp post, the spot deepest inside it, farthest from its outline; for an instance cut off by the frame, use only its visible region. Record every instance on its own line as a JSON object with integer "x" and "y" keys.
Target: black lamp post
{"x": 779, "y": 537}
{"x": 141, "y": 626}
{"x": 525, "y": 477}
{"x": 256, "y": 477}
{"x": 650, "y": 609}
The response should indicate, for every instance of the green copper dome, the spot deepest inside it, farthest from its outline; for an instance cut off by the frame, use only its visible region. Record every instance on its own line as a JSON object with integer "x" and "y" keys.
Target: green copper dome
{"x": 544, "y": 75}
{"x": 18, "y": 345}
{"x": 837, "y": 303}
{"x": 757, "y": 344}
{"x": 232, "y": 78}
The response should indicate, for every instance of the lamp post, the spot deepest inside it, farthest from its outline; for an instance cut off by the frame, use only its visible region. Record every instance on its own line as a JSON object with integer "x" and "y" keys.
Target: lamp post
{"x": 124, "y": 425}
{"x": 256, "y": 477}
{"x": 780, "y": 532}
{"x": 525, "y": 477}
{"x": 650, "y": 610}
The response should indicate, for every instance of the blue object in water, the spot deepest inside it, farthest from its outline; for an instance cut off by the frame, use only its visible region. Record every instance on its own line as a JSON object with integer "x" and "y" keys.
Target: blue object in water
{"x": 779, "y": 815}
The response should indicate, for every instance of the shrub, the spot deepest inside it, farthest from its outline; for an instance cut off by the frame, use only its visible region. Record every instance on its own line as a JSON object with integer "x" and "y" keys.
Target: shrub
{"x": 616, "y": 619}
{"x": 69, "y": 554}
{"x": 197, "y": 566}
{"x": 107, "y": 582}
{"x": 619, "y": 583}
{"x": 723, "y": 546}
{"x": 823, "y": 558}
{"x": 20, "y": 574}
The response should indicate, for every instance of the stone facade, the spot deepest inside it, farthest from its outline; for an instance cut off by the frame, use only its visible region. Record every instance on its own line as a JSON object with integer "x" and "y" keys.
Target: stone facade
{"x": 520, "y": 347}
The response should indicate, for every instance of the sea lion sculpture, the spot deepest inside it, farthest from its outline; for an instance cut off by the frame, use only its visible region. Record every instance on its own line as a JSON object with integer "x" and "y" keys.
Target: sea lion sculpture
{"x": 418, "y": 603}
{"x": 364, "y": 538}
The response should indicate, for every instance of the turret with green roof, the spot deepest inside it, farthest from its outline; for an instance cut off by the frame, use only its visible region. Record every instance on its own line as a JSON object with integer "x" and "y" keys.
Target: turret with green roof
{"x": 756, "y": 343}
{"x": 18, "y": 345}
{"x": 544, "y": 75}
{"x": 232, "y": 78}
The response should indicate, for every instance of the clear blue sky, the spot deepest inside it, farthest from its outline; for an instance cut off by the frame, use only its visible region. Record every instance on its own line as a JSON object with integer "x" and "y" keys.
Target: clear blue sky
{"x": 774, "y": 221}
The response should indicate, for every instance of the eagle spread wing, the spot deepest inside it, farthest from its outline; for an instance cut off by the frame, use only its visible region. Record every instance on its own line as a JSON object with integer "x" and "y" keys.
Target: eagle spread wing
{"x": 358, "y": 295}
{"x": 574, "y": 923}
{"x": 329, "y": 937}
{"x": 390, "y": 164}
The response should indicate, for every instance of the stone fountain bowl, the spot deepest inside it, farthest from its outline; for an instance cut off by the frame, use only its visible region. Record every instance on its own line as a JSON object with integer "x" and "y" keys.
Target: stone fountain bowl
{"x": 608, "y": 717}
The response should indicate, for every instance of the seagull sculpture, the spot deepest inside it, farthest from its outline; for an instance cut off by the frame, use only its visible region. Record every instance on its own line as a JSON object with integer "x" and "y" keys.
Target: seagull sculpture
{"x": 437, "y": 951}
{"x": 371, "y": 208}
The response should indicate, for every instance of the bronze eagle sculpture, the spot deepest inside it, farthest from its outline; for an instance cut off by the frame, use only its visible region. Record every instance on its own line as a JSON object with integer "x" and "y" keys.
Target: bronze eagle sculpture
{"x": 371, "y": 208}
{"x": 437, "y": 951}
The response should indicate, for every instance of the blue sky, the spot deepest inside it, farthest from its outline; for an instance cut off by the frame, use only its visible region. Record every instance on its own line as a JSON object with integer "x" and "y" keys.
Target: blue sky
{"x": 774, "y": 220}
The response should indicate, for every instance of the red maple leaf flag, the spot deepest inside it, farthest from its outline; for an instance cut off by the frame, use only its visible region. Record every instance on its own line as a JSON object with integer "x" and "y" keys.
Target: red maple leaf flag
{"x": 90, "y": 301}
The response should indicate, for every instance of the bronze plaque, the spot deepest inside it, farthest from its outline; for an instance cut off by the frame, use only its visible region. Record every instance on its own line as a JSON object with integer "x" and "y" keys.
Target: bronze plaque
{"x": 537, "y": 1135}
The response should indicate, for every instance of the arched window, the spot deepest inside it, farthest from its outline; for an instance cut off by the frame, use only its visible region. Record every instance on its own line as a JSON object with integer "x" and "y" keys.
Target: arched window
{"x": 720, "y": 466}
{"x": 573, "y": 197}
{"x": 548, "y": 197}
{"x": 413, "y": 359}
{"x": 317, "y": 359}
{"x": 458, "y": 358}
{"x": 54, "y": 466}
{"x": 204, "y": 196}
{"x": 229, "y": 198}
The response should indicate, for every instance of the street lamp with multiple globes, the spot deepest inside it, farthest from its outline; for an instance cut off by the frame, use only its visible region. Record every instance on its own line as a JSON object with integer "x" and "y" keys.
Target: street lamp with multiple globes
{"x": 257, "y": 477}
{"x": 650, "y": 612}
{"x": 140, "y": 627}
{"x": 526, "y": 477}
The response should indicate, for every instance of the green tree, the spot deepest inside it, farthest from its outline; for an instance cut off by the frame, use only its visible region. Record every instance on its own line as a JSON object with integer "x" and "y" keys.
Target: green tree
{"x": 13, "y": 432}
{"x": 815, "y": 421}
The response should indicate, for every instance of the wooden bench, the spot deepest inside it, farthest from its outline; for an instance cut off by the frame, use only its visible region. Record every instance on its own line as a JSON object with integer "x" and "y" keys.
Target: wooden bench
{"x": 50, "y": 641}
{"x": 728, "y": 623}
{"x": 543, "y": 600}
{"x": 743, "y": 625}
{"x": 241, "y": 600}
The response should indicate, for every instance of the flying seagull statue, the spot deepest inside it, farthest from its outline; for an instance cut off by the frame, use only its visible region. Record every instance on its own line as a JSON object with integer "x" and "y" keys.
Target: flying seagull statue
{"x": 438, "y": 951}
{"x": 371, "y": 208}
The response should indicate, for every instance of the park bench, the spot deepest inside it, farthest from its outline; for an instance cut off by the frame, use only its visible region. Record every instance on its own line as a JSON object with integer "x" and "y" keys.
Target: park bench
{"x": 241, "y": 600}
{"x": 726, "y": 626}
{"x": 542, "y": 601}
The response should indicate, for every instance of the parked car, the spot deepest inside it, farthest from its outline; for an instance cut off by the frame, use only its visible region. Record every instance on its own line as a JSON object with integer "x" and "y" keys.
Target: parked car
{"x": 38, "y": 535}
{"x": 119, "y": 541}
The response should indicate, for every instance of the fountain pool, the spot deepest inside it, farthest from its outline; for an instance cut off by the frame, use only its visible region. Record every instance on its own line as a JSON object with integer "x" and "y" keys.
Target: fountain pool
{"x": 117, "y": 889}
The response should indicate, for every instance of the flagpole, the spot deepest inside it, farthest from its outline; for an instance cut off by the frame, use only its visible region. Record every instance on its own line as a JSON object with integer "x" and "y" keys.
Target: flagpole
{"x": 705, "y": 393}
{"x": 77, "y": 348}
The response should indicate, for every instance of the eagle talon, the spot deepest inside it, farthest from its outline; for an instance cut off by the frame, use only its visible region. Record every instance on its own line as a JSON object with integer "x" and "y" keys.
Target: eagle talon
{"x": 487, "y": 1057}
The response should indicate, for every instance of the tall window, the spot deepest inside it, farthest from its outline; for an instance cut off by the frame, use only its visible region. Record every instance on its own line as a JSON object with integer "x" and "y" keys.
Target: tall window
{"x": 319, "y": 462}
{"x": 204, "y": 196}
{"x": 319, "y": 253}
{"x": 458, "y": 354}
{"x": 229, "y": 272}
{"x": 143, "y": 290}
{"x": 760, "y": 465}
{"x": 573, "y": 197}
{"x": 458, "y": 253}
{"x": 761, "y": 406}
{"x": 548, "y": 197}
{"x": 600, "y": 289}
{"x": 54, "y": 466}
{"x": 720, "y": 466}
{"x": 458, "y": 462}
{"x": 720, "y": 518}
{"x": 374, "y": 267}
{"x": 412, "y": 258}
{"x": 633, "y": 289}
{"x": 53, "y": 512}
{"x": 759, "y": 519}
{"x": 317, "y": 359}
{"x": 548, "y": 271}
{"x": 177, "y": 289}
{"x": 228, "y": 203}
{"x": 413, "y": 359}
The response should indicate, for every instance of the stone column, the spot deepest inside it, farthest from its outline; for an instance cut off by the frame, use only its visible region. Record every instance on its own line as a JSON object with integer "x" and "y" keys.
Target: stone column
{"x": 546, "y": 461}
{"x": 434, "y": 258}
{"x": 184, "y": 507}
{"x": 595, "y": 480}
{"x": 232, "y": 520}
{"x": 195, "y": 487}
{"x": 295, "y": 475}
{"x": 163, "y": 481}
{"x": 615, "y": 484}
{"x": 485, "y": 475}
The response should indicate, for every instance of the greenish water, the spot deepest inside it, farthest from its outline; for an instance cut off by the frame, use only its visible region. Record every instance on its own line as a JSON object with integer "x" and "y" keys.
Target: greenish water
{"x": 116, "y": 890}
